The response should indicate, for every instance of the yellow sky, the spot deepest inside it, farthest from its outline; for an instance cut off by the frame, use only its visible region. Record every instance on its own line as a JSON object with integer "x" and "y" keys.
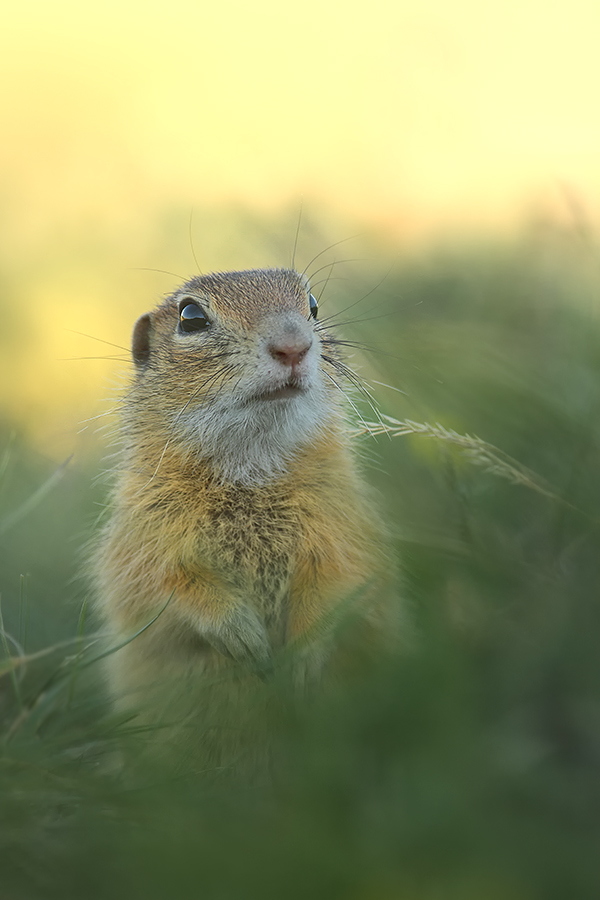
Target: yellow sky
{"x": 418, "y": 116}
{"x": 417, "y": 112}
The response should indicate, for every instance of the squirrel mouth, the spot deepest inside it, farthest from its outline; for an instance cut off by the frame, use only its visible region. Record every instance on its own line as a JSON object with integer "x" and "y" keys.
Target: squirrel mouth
{"x": 291, "y": 389}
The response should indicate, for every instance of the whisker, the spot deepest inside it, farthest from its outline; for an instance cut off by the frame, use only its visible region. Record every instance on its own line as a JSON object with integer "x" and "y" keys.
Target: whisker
{"x": 101, "y": 415}
{"x": 210, "y": 400}
{"x": 331, "y": 246}
{"x": 192, "y": 396}
{"x": 391, "y": 387}
{"x": 218, "y": 355}
{"x": 297, "y": 234}
{"x": 336, "y": 262}
{"x": 338, "y": 342}
{"x": 235, "y": 385}
{"x": 356, "y": 380}
{"x": 160, "y": 271}
{"x": 75, "y": 358}
{"x": 352, "y": 404}
{"x": 326, "y": 282}
{"x": 359, "y": 383}
{"x": 357, "y": 345}
{"x": 207, "y": 381}
{"x": 360, "y": 300}
{"x": 101, "y": 340}
{"x": 392, "y": 312}
{"x": 190, "y": 235}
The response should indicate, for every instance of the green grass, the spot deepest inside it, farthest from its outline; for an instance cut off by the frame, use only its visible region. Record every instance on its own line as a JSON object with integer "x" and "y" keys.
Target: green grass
{"x": 469, "y": 768}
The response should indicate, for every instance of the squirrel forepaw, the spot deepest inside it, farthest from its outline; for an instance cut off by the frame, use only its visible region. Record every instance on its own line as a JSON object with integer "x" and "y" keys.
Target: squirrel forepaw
{"x": 241, "y": 636}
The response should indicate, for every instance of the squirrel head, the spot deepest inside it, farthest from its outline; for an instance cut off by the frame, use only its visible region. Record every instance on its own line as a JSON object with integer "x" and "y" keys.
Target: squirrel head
{"x": 232, "y": 364}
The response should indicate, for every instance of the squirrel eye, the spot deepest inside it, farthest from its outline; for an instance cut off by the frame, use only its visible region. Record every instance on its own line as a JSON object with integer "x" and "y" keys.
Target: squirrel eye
{"x": 314, "y": 306}
{"x": 192, "y": 317}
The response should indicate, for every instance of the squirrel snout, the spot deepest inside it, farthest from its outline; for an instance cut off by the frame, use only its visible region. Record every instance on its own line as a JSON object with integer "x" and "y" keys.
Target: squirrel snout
{"x": 290, "y": 350}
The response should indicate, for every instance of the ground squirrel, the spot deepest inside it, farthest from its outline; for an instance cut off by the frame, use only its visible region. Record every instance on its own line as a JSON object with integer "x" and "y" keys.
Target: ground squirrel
{"x": 238, "y": 508}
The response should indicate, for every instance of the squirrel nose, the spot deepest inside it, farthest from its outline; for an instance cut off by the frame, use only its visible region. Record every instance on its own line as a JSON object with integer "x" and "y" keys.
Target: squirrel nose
{"x": 290, "y": 351}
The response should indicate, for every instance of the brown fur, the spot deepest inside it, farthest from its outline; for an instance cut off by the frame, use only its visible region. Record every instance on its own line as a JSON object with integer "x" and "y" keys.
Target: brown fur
{"x": 249, "y": 571}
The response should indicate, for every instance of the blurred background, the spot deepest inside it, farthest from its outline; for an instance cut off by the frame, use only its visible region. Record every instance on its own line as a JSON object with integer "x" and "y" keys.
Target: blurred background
{"x": 455, "y": 150}
{"x": 419, "y": 121}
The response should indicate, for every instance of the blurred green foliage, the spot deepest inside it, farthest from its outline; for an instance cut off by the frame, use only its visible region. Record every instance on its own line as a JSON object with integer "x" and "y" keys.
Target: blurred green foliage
{"x": 468, "y": 768}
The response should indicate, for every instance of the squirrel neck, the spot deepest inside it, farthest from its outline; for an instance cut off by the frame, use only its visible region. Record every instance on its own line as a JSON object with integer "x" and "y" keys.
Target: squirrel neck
{"x": 158, "y": 461}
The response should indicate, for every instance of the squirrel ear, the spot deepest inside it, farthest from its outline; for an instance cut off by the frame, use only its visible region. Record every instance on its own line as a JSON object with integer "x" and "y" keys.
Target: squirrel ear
{"x": 140, "y": 342}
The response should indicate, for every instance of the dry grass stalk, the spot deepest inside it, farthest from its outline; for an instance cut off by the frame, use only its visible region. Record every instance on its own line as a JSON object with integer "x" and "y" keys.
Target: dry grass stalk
{"x": 473, "y": 448}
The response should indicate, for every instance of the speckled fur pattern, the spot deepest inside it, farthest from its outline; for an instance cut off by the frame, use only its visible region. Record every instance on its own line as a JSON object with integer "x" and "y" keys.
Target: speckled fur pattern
{"x": 247, "y": 514}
